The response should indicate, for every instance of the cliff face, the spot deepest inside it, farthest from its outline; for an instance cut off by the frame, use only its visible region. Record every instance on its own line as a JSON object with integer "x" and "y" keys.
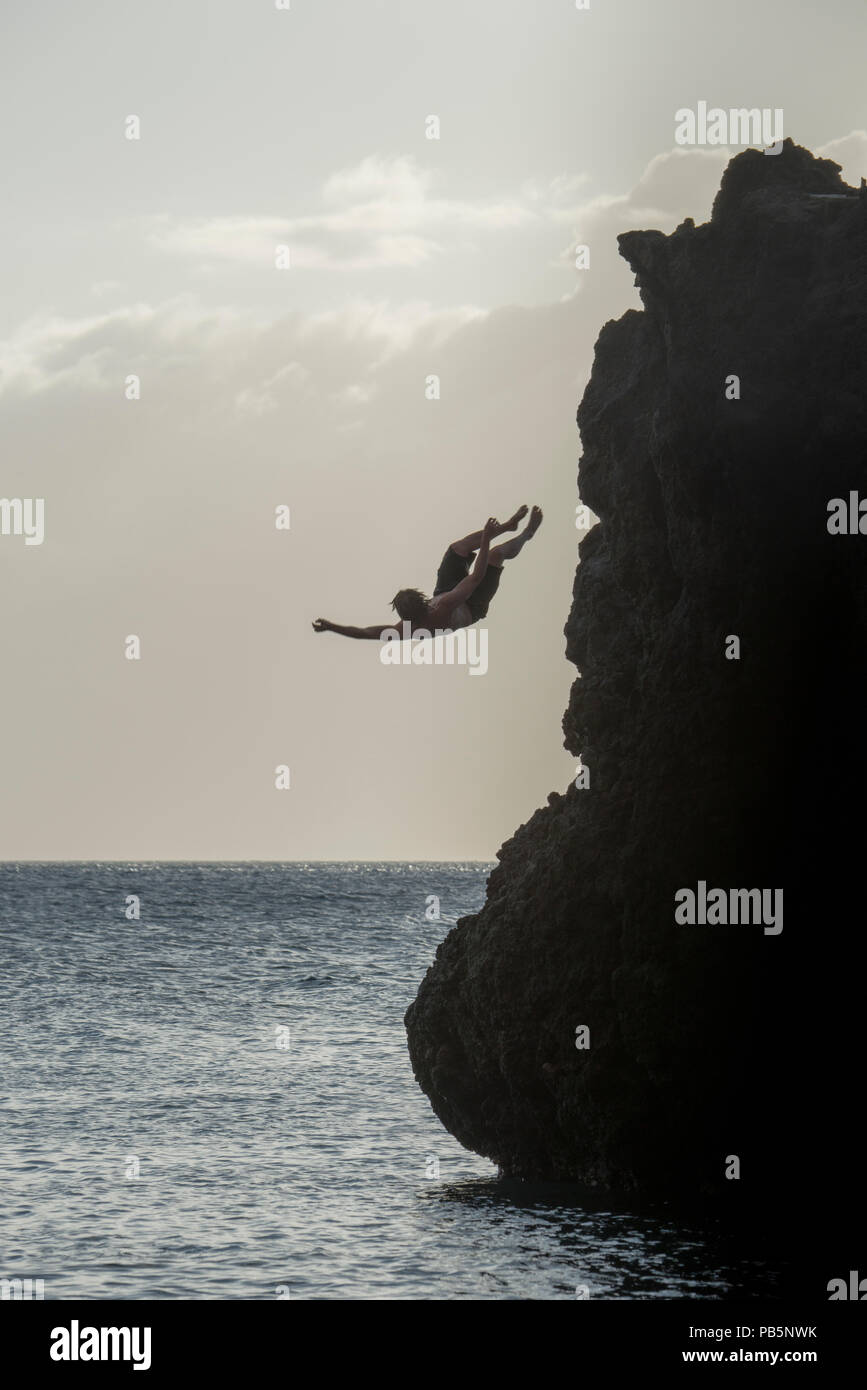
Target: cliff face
{"x": 704, "y": 1040}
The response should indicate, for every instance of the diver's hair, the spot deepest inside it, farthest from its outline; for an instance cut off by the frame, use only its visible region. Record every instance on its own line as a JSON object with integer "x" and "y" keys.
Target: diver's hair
{"x": 411, "y": 605}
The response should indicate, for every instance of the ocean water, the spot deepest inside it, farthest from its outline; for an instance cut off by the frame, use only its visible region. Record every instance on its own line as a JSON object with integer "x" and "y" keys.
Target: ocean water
{"x": 215, "y": 1101}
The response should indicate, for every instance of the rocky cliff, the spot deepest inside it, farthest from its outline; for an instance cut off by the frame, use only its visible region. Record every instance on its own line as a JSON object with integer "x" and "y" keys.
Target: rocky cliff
{"x": 739, "y": 765}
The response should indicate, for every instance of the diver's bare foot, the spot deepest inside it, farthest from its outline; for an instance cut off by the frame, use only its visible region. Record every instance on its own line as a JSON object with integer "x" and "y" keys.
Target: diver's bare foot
{"x": 513, "y": 522}
{"x": 534, "y": 523}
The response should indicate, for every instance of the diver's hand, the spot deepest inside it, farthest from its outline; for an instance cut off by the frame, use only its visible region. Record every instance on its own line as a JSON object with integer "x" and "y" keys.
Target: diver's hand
{"x": 322, "y": 625}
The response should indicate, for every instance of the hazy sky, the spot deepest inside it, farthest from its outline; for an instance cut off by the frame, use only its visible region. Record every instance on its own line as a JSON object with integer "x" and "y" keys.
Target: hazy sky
{"x": 305, "y": 387}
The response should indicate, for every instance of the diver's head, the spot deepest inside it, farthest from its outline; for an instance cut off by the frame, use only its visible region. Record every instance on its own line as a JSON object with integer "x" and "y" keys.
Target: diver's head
{"x": 411, "y": 605}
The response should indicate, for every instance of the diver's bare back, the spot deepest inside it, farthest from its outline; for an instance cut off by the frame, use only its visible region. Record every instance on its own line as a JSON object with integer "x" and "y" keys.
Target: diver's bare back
{"x": 445, "y": 613}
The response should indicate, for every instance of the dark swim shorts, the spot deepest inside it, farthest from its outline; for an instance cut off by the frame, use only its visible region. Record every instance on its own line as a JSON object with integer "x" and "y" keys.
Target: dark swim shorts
{"x": 456, "y": 567}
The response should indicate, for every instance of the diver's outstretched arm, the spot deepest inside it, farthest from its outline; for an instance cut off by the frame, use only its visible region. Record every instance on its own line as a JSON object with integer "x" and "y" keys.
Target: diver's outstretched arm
{"x": 372, "y": 634}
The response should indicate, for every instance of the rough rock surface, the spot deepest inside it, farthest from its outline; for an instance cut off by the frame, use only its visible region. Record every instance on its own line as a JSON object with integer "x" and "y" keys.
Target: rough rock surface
{"x": 705, "y": 1041}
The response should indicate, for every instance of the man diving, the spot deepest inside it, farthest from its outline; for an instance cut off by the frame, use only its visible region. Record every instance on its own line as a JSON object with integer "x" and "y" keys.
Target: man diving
{"x": 461, "y": 594}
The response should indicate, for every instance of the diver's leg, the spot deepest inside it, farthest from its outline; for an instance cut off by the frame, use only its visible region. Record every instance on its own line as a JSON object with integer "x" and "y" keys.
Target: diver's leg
{"x": 468, "y": 544}
{"x": 509, "y": 549}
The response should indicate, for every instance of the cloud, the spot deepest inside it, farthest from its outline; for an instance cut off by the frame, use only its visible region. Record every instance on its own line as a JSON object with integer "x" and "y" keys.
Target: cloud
{"x": 850, "y": 152}
{"x": 254, "y": 241}
{"x": 387, "y": 214}
{"x": 51, "y": 351}
{"x": 263, "y": 397}
{"x": 392, "y": 327}
{"x": 391, "y": 214}
{"x": 675, "y": 184}
{"x": 57, "y": 351}
{"x": 379, "y": 213}
{"x": 363, "y": 335}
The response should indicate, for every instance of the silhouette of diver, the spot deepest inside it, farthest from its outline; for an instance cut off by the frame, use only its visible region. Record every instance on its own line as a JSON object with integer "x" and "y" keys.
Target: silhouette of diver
{"x": 461, "y": 594}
